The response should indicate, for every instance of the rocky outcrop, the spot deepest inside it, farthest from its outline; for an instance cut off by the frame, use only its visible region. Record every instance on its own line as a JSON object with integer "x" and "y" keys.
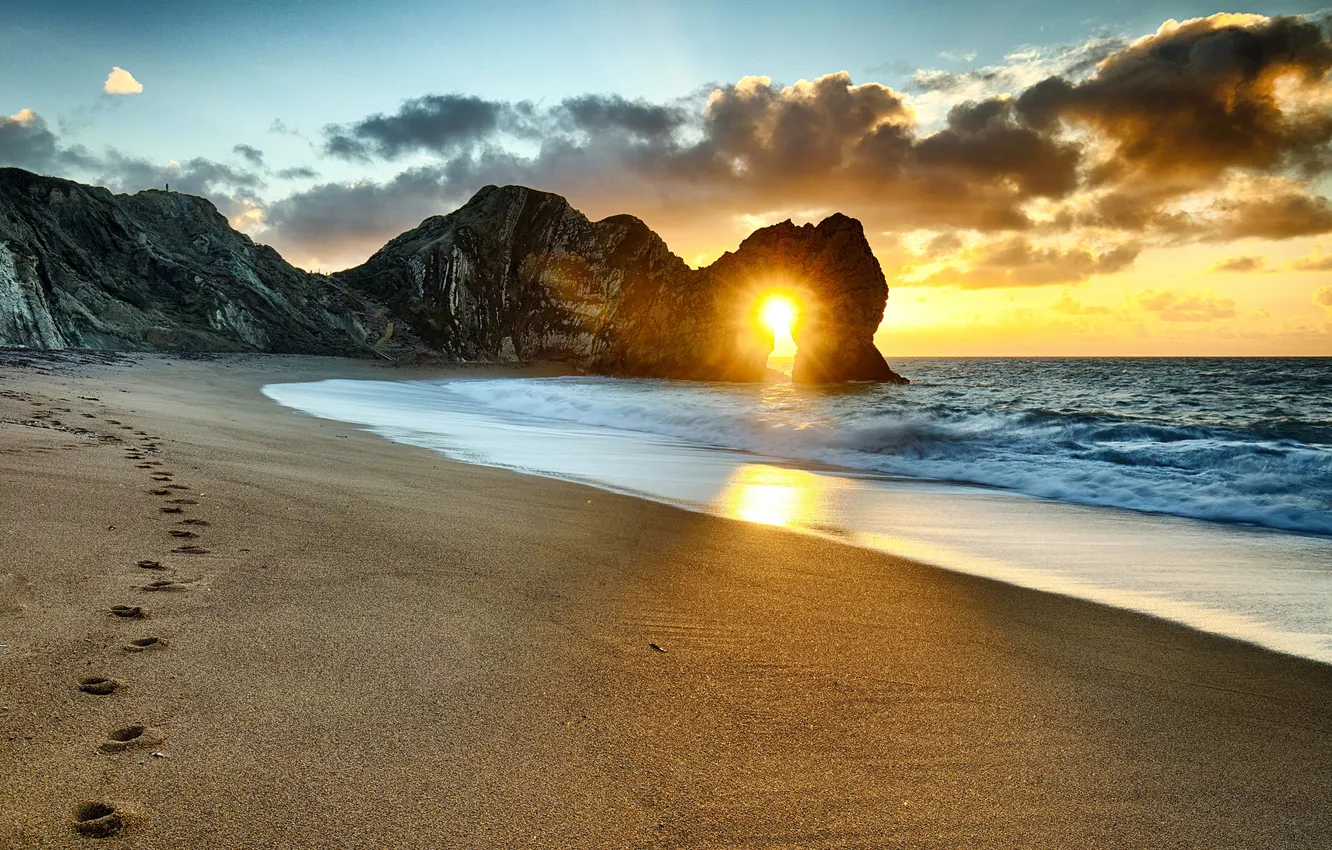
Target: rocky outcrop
{"x": 513, "y": 275}
{"x": 83, "y": 268}
{"x": 519, "y": 274}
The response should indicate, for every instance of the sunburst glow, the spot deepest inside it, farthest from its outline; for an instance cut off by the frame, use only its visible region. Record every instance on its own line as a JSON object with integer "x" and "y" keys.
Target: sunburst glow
{"x": 777, "y": 313}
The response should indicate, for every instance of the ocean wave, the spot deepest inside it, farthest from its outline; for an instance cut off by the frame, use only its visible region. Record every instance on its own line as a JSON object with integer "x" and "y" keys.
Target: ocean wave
{"x": 1271, "y": 471}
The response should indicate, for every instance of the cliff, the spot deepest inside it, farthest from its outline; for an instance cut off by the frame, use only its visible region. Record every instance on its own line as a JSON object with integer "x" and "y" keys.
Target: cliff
{"x": 83, "y": 268}
{"x": 513, "y": 275}
{"x": 519, "y": 274}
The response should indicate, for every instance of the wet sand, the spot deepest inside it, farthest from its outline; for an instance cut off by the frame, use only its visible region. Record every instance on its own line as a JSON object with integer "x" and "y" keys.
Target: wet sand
{"x": 371, "y": 646}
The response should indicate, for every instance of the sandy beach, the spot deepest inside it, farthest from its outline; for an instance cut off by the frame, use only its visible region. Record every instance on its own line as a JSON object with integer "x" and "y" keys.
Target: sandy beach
{"x": 362, "y": 644}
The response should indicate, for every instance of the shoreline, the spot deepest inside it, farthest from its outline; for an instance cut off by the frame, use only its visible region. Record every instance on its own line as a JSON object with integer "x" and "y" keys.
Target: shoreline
{"x": 386, "y": 647}
{"x": 1266, "y": 586}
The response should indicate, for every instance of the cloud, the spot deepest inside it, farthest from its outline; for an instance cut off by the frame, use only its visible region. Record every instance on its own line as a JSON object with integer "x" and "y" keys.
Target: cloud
{"x": 1239, "y": 264}
{"x": 336, "y": 225}
{"x": 1318, "y": 261}
{"x": 1015, "y": 261}
{"x": 120, "y": 81}
{"x": 1323, "y": 297}
{"x": 1201, "y": 96}
{"x": 442, "y": 124}
{"x": 1021, "y": 69}
{"x": 297, "y": 172}
{"x": 1283, "y": 214}
{"x": 250, "y": 154}
{"x": 1173, "y": 306}
{"x": 1059, "y": 164}
{"x": 27, "y": 142}
{"x": 1067, "y": 305}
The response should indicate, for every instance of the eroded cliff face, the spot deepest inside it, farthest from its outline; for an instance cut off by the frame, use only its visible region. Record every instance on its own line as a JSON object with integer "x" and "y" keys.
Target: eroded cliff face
{"x": 519, "y": 274}
{"x": 513, "y": 275}
{"x": 81, "y": 267}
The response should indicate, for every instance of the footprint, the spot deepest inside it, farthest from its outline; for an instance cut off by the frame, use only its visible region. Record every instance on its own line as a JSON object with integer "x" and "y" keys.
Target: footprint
{"x": 190, "y": 550}
{"x": 180, "y": 532}
{"x": 141, "y": 644}
{"x": 201, "y": 523}
{"x": 177, "y": 487}
{"x": 145, "y": 465}
{"x": 172, "y": 510}
{"x": 134, "y": 457}
{"x": 128, "y": 612}
{"x": 183, "y": 501}
{"x": 151, "y": 565}
{"x": 98, "y": 820}
{"x": 161, "y": 476}
{"x": 132, "y": 737}
{"x": 160, "y": 492}
{"x": 165, "y": 584}
{"x": 98, "y": 685}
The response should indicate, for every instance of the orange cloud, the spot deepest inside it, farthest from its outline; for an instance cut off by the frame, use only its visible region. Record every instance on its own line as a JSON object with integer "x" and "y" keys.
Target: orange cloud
{"x": 1239, "y": 264}
{"x": 1177, "y": 307}
{"x": 1016, "y": 261}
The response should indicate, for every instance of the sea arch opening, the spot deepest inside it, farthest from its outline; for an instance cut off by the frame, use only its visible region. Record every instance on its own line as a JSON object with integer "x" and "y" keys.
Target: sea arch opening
{"x": 777, "y": 315}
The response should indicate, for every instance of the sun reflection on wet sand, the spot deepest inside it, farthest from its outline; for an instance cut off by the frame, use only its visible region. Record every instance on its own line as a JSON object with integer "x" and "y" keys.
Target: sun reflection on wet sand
{"x": 780, "y": 496}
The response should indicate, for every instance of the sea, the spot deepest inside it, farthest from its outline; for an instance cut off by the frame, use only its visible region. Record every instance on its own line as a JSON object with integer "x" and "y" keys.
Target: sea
{"x": 1193, "y": 489}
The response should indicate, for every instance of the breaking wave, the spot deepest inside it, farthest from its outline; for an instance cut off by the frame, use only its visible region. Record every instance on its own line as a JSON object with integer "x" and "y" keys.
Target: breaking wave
{"x": 1230, "y": 443}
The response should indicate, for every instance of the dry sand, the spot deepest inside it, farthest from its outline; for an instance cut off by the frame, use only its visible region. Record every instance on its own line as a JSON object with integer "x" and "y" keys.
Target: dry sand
{"x": 383, "y": 648}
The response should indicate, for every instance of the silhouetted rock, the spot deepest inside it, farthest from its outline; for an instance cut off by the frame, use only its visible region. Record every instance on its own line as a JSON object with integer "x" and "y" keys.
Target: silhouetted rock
{"x": 514, "y": 275}
{"x": 83, "y": 268}
{"x": 519, "y": 274}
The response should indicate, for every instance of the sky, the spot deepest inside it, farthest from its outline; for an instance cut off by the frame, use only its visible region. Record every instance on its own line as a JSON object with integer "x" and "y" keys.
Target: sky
{"x": 1035, "y": 177}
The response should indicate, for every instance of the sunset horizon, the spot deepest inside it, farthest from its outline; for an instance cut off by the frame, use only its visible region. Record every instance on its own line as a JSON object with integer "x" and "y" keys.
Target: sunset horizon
{"x": 1092, "y": 187}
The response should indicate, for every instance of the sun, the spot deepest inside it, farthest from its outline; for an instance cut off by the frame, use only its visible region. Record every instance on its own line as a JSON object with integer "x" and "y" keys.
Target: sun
{"x": 777, "y": 313}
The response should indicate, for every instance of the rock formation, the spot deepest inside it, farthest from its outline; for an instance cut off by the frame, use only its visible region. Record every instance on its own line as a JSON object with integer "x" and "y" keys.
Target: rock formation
{"x": 83, "y": 268}
{"x": 515, "y": 274}
{"x": 519, "y": 274}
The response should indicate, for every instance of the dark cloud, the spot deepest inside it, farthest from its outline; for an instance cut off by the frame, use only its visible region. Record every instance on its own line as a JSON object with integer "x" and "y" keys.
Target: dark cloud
{"x": 441, "y": 124}
{"x": 298, "y": 172}
{"x": 1280, "y": 215}
{"x": 1240, "y": 264}
{"x": 1200, "y": 97}
{"x": 615, "y": 114}
{"x": 1015, "y": 261}
{"x": 1323, "y": 297}
{"x": 983, "y": 142}
{"x": 27, "y": 142}
{"x": 250, "y": 154}
{"x": 1178, "y": 307}
{"x": 338, "y": 225}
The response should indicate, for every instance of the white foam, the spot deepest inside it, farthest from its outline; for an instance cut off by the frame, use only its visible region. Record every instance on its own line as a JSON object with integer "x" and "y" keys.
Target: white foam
{"x": 1259, "y": 585}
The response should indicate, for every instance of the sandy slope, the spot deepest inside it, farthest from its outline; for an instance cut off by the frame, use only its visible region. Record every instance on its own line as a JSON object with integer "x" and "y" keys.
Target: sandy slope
{"x": 382, "y": 648}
